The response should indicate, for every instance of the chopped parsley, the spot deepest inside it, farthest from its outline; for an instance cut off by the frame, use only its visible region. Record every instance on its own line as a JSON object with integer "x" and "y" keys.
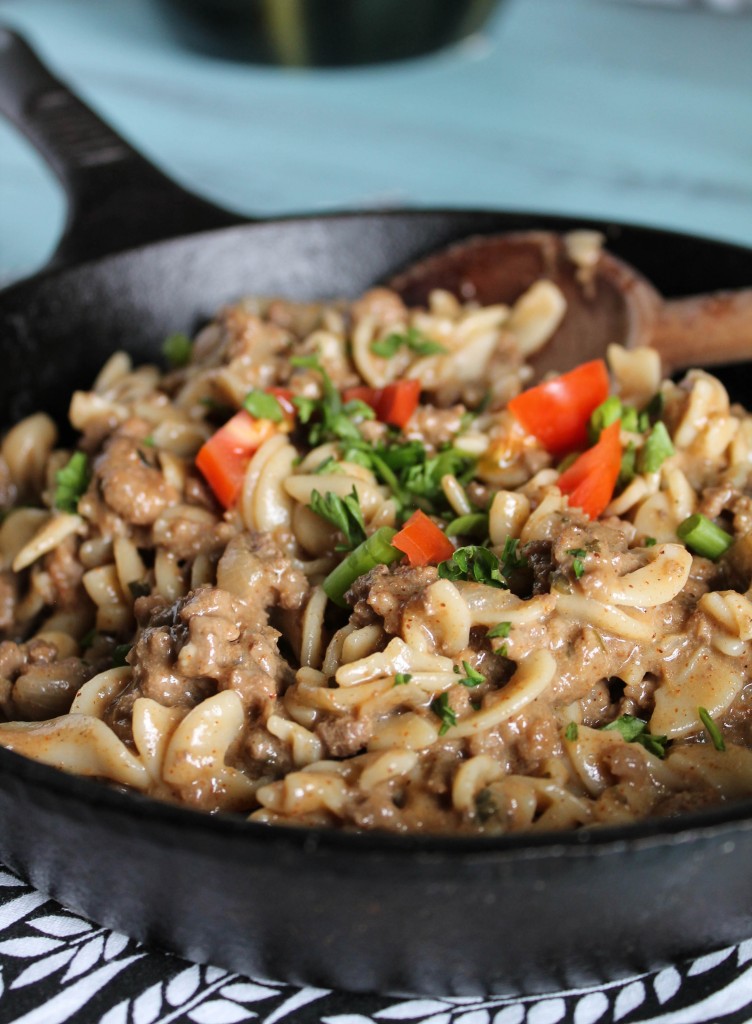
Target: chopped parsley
{"x": 402, "y": 678}
{"x": 634, "y": 730}
{"x": 476, "y": 564}
{"x": 510, "y": 557}
{"x": 571, "y": 732}
{"x": 712, "y": 729}
{"x": 650, "y": 542}
{"x": 344, "y": 513}
{"x": 413, "y": 476}
{"x": 263, "y": 406}
{"x": 331, "y": 419}
{"x": 440, "y": 707}
{"x": 412, "y": 339}
{"x": 578, "y": 564}
{"x": 72, "y": 481}
{"x": 471, "y": 677}
{"x": 177, "y": 349}
{"x": 502, "y": 630}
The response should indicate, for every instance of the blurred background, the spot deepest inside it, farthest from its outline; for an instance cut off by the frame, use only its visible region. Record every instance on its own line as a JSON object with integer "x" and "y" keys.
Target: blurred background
{"x": 608, "y": 108}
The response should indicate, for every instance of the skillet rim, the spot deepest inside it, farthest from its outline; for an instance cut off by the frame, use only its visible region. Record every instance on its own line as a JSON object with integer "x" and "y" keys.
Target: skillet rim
{"x": 529, "y": 220}
{"x": 599, "y": 840}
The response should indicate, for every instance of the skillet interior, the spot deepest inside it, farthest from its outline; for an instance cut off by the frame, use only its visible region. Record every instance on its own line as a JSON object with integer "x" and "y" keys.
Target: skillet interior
{"x": 361, "y": 912}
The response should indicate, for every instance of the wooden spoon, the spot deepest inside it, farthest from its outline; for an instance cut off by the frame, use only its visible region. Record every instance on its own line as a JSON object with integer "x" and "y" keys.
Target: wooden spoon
{"x": 608, "y": 302}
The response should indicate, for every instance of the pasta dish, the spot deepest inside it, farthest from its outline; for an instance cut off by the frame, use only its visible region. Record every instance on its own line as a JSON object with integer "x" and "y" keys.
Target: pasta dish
{"x": 345, "y": 564}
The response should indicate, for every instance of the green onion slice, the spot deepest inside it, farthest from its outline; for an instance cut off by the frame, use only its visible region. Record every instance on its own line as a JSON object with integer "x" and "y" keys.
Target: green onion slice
{"x": 473, "y": 525}
{"x": 703, "y": 536}
{"x": 711, "y": 728}
{"x": 656, "y": 449}
{"x": 375, "y": 550}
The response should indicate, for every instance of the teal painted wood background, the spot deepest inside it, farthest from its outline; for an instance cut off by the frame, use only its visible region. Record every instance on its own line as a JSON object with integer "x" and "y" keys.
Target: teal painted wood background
{"x": 597, "y": 107}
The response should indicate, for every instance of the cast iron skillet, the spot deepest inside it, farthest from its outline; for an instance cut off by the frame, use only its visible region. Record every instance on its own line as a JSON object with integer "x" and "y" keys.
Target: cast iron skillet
{"x": 362, "y": 912}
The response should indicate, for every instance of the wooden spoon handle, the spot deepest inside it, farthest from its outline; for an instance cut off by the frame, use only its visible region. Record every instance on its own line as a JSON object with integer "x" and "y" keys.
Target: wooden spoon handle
{"x": 704, "y": 330}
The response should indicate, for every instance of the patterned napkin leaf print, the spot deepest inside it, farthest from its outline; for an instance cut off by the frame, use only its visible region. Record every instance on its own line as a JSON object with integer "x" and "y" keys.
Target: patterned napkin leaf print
{"x": 70, "y": 971}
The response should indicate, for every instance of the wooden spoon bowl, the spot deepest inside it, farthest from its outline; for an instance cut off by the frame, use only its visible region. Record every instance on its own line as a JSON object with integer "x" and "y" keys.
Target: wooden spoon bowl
{"x": 607, "y": 302}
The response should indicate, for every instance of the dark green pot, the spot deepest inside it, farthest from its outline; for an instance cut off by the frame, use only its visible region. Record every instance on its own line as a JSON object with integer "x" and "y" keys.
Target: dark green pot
{"x": 326, "y": 33}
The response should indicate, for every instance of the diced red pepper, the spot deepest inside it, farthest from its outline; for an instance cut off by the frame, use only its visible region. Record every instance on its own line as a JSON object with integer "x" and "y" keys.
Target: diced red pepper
{"x": 423, "y": 541}
{"x": 590, "y": 480}
{"x": 398, "y": 402}
{"x": 392, "y": 404}
{"x": 557, "y": 412}
{"x": 362, "y": 393}
{"x": 224, "y": 458}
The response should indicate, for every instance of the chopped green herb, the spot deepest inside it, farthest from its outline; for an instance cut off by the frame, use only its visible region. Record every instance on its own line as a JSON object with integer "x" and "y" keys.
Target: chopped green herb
{"x": 502, "y": 630}
{"x": 376, "y": 550}
{"x": 634, "y": 730}
{"x": 476, "y": 564}
{"x": 72, "y": 481}
{"x": 119, "y": 655}
{"x": 388, "y": 346}
{"x": 306, "y": 407}
{"x": 422, "y": 481}
{"x": 650, "y": 542}
{"x": 608, "y": 412}
{"x": 571, "y": 732}
{"x": 149, "y": 441}
{"x": 139, "y": 588}
{"x": 177, "y": 350}
{"x": 703, "y": 536}
{"x": 344, "y": 513}
{"x": 656, "y": 450}
{"x": 333, "y": 420}
{"x": 410, "y": 473}
{"x": 473, "y": 525}
{"x": 440, "y": 707}
{"x": 578, "y": 564}
{"x": 263, "y": 406}
{"x": 329, "y": 465}
{"x": 471, "y": 677}
{"x": 412, "y": 339}
{"x": 510, "y": 557}
{"x": 712, "y": 729}
{"x": 402, "y": 678}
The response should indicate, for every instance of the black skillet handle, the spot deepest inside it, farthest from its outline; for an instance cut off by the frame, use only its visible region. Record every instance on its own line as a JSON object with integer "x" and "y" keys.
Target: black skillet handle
{"x": 116, "y": 199}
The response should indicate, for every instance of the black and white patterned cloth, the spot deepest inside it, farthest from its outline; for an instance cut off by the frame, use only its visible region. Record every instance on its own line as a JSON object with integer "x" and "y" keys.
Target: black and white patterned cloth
{"x": 57, "y": 968}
